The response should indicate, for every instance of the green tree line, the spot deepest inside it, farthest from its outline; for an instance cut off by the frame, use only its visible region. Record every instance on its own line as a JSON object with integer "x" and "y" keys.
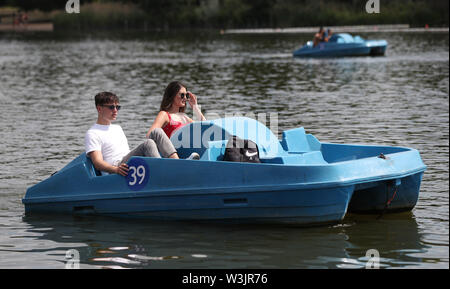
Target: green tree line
{"x": 222, "y": 14}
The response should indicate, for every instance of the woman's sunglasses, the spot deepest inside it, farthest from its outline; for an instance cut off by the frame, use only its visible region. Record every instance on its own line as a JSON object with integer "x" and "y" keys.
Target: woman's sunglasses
{"x": 182, "y": 95}
{"x": 111, "y": 107}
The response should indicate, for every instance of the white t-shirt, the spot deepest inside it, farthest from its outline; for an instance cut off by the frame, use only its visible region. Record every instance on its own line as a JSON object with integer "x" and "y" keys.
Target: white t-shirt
{"x": 110, "y": 140}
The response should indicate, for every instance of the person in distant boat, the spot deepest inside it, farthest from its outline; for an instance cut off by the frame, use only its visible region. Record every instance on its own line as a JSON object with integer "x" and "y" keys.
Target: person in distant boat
{"x": 327, "y": 35}
{"x": 107, "y": 146}
{"x": 318, "y": 37}
{"x": 171, "y": 115}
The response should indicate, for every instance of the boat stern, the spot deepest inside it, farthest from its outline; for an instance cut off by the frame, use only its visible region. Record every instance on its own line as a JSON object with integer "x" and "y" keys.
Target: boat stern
{"x": 377, "y": 47}
{"x": 394, "y": 195}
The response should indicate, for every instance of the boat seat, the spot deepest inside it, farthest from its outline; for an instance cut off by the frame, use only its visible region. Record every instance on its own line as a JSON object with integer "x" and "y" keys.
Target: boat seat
{"x": 216, "y": 151}
{"x": 295, "y": 141}
{"x": 309, "y": 158}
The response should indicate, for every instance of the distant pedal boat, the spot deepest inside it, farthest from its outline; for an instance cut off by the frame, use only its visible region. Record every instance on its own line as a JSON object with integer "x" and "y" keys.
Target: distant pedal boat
{"x": 343, "y": 44}
{"x": 299, "y": 180}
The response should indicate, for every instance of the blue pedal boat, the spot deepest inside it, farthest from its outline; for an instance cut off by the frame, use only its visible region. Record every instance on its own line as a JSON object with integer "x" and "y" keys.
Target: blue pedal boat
{"x": 299, "y": 180}
{"x": 343, "y": 44}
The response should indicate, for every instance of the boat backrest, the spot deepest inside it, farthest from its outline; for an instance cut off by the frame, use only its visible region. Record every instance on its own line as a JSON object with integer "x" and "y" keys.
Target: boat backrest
{"x": 86, "y": 161}
{"x": 215, "y": 150}
{"x": 358, "y": 39}
{"x": 297, "y": 141}
{"x": 195, "y": 137}
{"x": 294, "y": 141}
{"x": 341, "y": 38}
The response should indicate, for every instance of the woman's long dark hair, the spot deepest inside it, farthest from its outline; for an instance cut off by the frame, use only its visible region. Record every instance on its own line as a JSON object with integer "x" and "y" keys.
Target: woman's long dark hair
{"x": 169, "y": 95}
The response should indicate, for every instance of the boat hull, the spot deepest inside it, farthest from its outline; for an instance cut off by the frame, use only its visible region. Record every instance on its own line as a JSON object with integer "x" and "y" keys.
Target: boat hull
{"x": 232, "y": 191}
{"x": 302, "y": 207}
{"x": 300, "y": 180}
{"x": 390, "y": 196}
{"x": 352, "y": 47}
{"x": 284, "y": 194}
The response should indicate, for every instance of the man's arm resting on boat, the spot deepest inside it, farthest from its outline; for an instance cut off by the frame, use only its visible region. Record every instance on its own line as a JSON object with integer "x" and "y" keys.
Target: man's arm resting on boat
{"x": 101, "y": 165}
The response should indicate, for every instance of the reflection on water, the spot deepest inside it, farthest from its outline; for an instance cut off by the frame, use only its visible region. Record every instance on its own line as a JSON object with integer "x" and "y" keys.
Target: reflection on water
{"x": 104, "y": 242}
{"x": 47, "y": 84}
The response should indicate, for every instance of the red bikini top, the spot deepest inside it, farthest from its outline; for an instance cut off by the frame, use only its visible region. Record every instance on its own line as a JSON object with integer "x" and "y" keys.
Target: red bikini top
{"x": 172, "y": 126}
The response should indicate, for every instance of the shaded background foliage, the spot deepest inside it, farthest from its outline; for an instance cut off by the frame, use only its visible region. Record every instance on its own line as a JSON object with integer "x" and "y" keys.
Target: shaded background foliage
{"x": 169, "y": 14}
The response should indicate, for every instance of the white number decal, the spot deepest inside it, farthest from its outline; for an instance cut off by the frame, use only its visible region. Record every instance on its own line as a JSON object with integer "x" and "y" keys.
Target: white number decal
{"x": 139, "y": 172}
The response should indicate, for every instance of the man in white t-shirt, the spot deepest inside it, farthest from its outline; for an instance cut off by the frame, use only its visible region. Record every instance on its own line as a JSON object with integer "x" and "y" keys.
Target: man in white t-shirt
{"x": 107, "y": 145}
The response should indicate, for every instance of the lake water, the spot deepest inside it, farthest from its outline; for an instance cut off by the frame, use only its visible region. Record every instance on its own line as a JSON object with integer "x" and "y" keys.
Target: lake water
{"x": 47, "y": 84}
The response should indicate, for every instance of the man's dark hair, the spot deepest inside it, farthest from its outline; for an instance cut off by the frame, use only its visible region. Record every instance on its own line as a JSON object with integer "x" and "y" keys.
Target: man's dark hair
{"x": 105, "y": 97}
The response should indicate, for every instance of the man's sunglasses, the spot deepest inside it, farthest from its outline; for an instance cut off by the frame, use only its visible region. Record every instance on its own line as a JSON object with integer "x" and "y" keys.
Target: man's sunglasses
{"x": 182, "y": 95}
{"x": 111, "y": 107}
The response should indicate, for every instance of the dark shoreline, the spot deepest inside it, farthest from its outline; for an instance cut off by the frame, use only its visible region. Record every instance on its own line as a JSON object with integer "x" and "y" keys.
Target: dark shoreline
{"x": 233, "y": 14}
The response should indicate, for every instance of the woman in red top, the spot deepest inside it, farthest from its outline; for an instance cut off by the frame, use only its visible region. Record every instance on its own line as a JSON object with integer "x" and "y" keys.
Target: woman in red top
{"x": 171, "y": 115}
